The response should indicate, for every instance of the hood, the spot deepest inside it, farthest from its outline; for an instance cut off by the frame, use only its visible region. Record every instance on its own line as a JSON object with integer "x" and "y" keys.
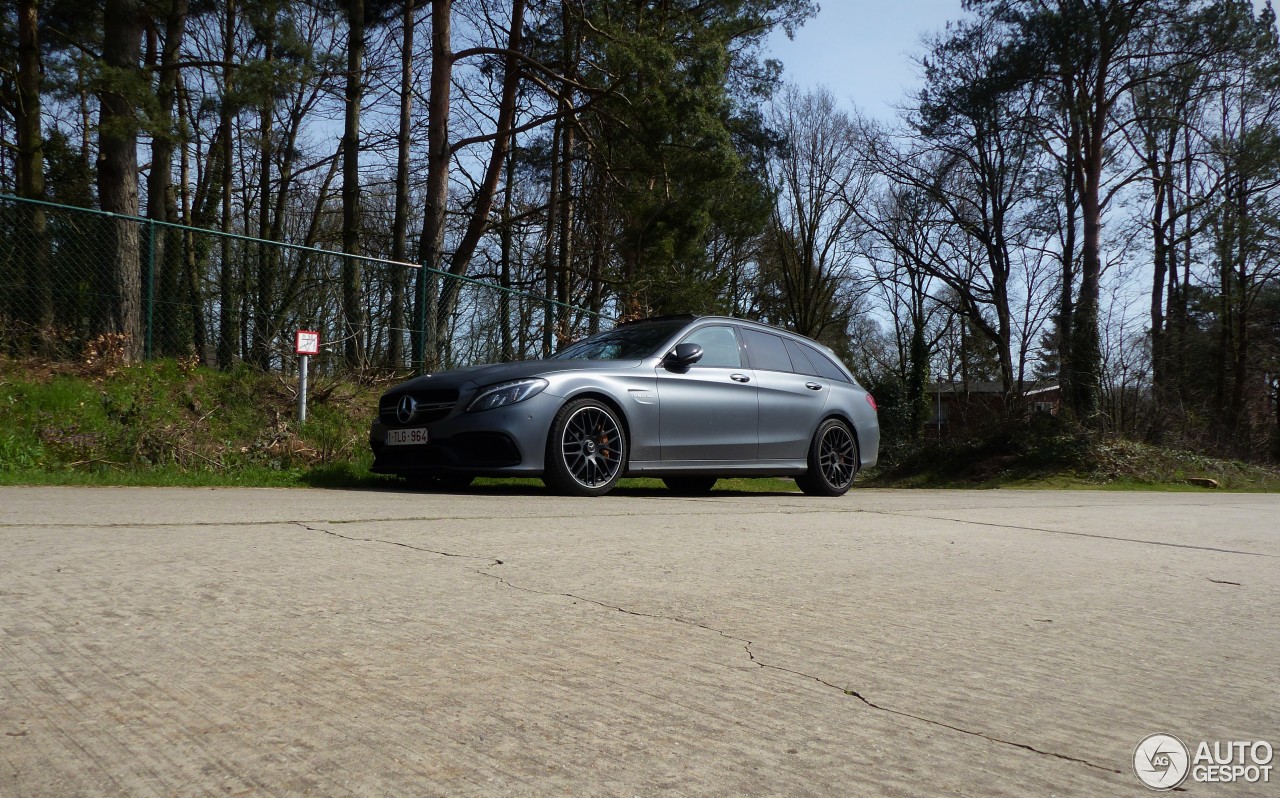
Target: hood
{"x": 502, "y": 372}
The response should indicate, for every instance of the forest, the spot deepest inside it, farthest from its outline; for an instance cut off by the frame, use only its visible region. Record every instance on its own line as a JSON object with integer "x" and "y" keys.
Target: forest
{"x": 1083, "y": 194}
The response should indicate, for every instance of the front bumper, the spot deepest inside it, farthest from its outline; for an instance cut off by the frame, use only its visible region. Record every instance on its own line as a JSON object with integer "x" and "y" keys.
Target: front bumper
{"x": 506, "y": 441}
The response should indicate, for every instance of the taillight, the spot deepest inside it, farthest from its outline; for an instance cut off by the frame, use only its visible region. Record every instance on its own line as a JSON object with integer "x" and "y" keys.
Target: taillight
{"x": 871, "y": 400}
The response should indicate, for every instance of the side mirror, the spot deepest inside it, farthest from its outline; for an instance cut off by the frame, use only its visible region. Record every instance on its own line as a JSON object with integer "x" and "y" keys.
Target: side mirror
{"x": 682, "y": 357}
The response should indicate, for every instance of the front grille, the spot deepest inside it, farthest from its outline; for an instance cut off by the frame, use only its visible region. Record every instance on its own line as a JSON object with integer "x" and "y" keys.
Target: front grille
{"x": 431, "y": 406}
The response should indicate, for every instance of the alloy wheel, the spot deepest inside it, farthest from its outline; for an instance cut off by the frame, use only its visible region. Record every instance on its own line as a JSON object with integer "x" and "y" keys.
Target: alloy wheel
{"x": 591, "y": 446}
{"x": 838, "y": 456}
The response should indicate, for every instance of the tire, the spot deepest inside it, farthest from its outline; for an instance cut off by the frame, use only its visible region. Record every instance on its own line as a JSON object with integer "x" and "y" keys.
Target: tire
{"x": 586, "y": 450}
{"x": 690, "y": 486}
{"x": 833, "y": 460}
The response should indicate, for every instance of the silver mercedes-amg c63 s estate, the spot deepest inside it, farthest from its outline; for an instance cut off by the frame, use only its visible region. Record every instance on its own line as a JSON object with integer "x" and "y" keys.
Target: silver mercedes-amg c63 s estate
{"x": 688, "y": 399}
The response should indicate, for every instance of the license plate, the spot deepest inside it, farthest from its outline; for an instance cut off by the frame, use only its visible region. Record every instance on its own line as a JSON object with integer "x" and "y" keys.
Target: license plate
{"x": 404, "y": 437}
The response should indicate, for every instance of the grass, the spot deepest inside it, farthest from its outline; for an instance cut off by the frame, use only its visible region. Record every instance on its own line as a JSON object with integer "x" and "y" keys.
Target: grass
{"x": 169, "y": 422}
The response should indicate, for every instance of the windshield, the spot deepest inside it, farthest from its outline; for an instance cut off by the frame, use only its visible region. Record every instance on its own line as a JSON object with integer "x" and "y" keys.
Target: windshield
{"x": 625, "y": 343}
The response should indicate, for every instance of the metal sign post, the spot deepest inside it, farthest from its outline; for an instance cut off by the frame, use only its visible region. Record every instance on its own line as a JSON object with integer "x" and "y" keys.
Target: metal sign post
{"x": 308, "y": 344}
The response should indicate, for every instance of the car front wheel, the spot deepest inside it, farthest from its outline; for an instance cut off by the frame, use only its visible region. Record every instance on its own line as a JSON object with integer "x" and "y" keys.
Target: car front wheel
{"x": 586, "y": 451}
{"x": 833, "y": 460}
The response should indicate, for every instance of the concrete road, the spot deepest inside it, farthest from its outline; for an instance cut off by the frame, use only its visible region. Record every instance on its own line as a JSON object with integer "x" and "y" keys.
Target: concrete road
{"x": 889, "y": 643}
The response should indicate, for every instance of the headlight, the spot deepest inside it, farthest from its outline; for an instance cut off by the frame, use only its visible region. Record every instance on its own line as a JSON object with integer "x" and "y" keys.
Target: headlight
{"x": 506, "y": 393}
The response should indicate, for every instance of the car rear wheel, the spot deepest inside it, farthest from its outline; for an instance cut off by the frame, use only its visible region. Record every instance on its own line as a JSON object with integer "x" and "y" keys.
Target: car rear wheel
{"x": 690, "y": 486}
{"x": 586, "y": 451}
{"x": 833, "y": 460}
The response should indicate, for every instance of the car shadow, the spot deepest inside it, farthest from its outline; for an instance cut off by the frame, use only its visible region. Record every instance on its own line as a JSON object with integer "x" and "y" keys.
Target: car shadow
{"x": 525, "y": 487}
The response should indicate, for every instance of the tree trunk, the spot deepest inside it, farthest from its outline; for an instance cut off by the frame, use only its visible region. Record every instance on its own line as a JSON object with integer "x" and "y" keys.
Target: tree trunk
{"x": 431, "y": 245}
{"x": 118, "y": 176}
{"x": 483, "y": 203}
{"x": 227, "y": 299}
{"x": 161, "y": 204}
{"x": 228, "y": 304}
{"x": 190, "y": 285}
{"x": 1066, "y": 299}
{"x": 36, "y": 307}
{"x": 549, "y": 261}
{"x": 595, "y": 276}
{"x": 565, "y": 107}
{"x": 1161, "y": 256}
{"x": 1241, "y": 284}
{"x": 1086, "y": 351}
{"x": 917, "y": 376}
{"x": 352, "y": 308}
{"x": 400, "y": 223}
{"x": 504, "y": 296}
{"x": 264, "y": 331}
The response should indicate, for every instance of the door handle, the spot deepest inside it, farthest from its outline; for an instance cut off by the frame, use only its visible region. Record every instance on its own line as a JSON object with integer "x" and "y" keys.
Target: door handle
{"x": 739, "y": 378}
{"x": 813, "y": 386}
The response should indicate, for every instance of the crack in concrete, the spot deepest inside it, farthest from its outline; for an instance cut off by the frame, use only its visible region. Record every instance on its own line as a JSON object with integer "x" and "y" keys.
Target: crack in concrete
{"x": 1075, "y": 534}
{"x": 746, "y": 646}
{"x": 491, "y": 560}
{"x": 930, "y": 721}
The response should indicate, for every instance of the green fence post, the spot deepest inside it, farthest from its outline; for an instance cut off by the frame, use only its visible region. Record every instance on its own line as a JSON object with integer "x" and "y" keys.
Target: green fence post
{"x": 151, "y": 289}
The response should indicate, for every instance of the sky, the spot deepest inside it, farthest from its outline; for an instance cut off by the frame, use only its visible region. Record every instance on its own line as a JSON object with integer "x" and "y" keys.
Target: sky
{"x": 862, "y": 50}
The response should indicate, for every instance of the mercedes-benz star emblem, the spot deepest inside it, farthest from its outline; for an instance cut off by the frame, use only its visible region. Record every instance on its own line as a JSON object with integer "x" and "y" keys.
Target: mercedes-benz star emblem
{"x": 405, "y": 409}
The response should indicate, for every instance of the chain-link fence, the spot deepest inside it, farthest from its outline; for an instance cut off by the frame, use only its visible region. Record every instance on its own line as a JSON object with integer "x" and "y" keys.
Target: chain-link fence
{"x": 72, "y": 278}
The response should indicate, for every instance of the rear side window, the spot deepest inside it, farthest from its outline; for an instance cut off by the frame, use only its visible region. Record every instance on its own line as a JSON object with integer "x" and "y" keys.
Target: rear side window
{"x": 824, "y": 365}
{"x": 767, "y": 351}
{"x": 800, "y": 360}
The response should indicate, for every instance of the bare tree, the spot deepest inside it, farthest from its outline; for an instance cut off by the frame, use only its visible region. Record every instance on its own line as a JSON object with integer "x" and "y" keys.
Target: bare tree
{"x": 400, "y": 222}
{"x": 971, "y": 158}
{"x": 352, "y": 308}
{"x": 811, "y": 244}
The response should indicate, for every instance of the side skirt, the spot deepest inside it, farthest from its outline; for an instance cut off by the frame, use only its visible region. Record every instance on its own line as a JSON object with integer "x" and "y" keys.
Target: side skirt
{"x": 723, "y": 468}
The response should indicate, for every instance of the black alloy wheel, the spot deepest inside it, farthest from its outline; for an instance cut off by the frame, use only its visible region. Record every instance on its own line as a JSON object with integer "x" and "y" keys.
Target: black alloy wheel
{"x": 833, "y": 460}
{"x": 586, "y": 451}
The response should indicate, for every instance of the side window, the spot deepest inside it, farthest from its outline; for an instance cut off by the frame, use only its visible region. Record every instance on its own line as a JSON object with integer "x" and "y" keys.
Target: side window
{"x": 767, "y": 351}
{"x": 799, "y": 360}
{"x": 824, "y": 365}
{"x": 719, "y": 346}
